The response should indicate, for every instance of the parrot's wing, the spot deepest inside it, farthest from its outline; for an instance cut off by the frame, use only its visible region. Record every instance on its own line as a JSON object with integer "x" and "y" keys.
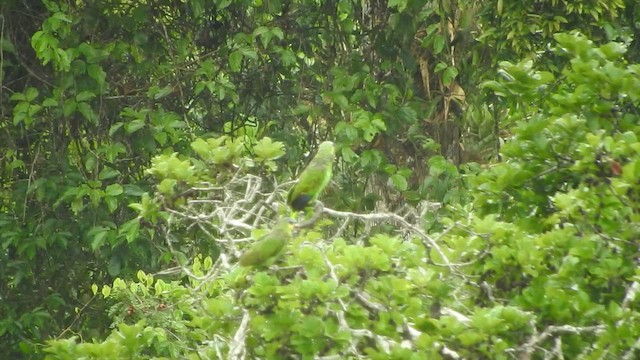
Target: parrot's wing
{"x": 311, "y": 183}
{"x": 268, "y": 245}
{"x": 262, "y": 251}
{"x": 313, "y": 179}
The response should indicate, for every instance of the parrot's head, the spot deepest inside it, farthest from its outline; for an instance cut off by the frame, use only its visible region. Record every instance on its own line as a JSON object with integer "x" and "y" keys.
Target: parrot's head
{"x": 326, "y": 147}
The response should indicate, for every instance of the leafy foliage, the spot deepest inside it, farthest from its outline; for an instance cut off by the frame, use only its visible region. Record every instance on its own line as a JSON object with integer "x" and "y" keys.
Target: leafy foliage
{"x": 543, "y": 261}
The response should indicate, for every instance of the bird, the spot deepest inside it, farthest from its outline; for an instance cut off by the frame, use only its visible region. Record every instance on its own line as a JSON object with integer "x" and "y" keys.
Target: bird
{"x": 313, "y": 179}
{"x": 268, "y": 245}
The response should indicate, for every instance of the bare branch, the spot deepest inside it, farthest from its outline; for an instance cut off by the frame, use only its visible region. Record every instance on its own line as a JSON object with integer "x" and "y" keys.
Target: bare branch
{"x": 237, "y": 348}
{"x": 429, "y": 242}
{"x": 529, "y": 348}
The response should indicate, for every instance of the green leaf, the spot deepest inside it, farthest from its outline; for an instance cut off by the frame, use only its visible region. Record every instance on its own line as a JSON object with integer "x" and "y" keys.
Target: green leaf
{"x": 337, "y": 98}
{"x": 114, "y": 189}
{"x": 31, "y": 94}
{"x": 399, "y": 182}
{"x": 440, "y": 66}
{"x": 288, "y": 57}
{"x": 77, "y": 205}
{"x": 260, "y": 30}
{"x": 310, "y": 327}
{"x": 439, "y": 165}
{"x": 7, "y": 46}
{"x": 90, "y": 163}
{"x": 108, "y": 173}
{"x": 69, "y": 107}
{"x": 131, "y": 230}
{"x": 401, "y": 5}
{"x": 96, "y": 73}
{"x": 235, "y": 61}
{"x": 222, "y": 4}
{"x": 348, "y": 155}
{"x": 160, "y": 93}
{"x": 112, "y": 203}
{"x": 99, "y": 237}
{"x": 438, "y": 44}
{"x": 134, "y": 125}
{"x": 267, "y": 149}
{"x": 50, "y": 102}
{"x": 106, "y": 291}
{"x": 18, "y": 97}
{"x": 495, "y": 86}
{"x": 277, "y": 32}
{"x": 84, "y": 96}
{"x": 207, "y": 263}
{"x": 114, "y": 267}
{"x": 249, "y": 52}
{"x": 449, "y": 75}
{"x": 114, "y": 128}
{"x": 167, "y": 186}
{"x": 264, "y": 33}
{"x": 378, "y": 123}
{"x": 613, "y": 50}
{"x": 87, "y": 112}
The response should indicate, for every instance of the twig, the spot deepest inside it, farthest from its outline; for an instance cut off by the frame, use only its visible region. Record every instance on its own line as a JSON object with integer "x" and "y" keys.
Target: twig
{"x": 390, "y": 216}
{"x": 317, "y": 212}
{"x": 237, "y": 347}
{"x": 535, "y": 339}
{"x": 75, "y": 320}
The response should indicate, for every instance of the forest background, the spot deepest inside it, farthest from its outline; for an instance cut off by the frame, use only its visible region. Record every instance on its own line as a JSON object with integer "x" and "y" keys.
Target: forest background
{"x": 484, "y": 204}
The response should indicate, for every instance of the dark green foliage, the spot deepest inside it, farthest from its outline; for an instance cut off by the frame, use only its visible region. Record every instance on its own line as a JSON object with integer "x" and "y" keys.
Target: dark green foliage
{"x": 545, "y": 254}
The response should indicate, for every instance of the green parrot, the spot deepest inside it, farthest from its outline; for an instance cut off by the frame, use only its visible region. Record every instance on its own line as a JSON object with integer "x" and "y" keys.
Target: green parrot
{"x": 314, "y": 178}
{"x": 268, "y": 245}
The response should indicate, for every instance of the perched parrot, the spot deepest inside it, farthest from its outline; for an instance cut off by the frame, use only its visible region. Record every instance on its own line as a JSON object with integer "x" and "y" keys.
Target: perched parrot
{"x": 313, "y": 179}
{"x": 268, "y": 245}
